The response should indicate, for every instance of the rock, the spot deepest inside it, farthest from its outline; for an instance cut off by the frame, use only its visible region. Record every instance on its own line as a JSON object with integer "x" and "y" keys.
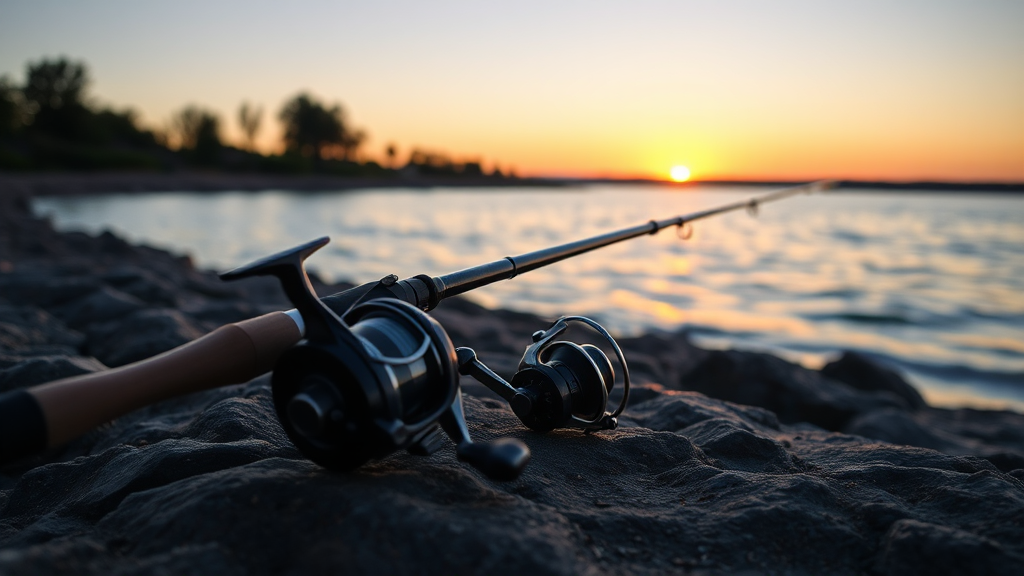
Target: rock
{"x": 140, "y": 335}
{"x": 900, "y": 427}
{"x": 661, "y": 358}
{"x": 792, "y": 392}
{"x": 998, "y": 436}
{"x": 24, "y": 372}
{"x": 859, "y": 372}
{"x": 28, "y": 326}
{"x": 143, "y": 285}
{"x": 1009, "y": 462}
{"x": 914, "y": 547}
{"x": 218, "y": 313}
{"x": 1003, "y": 428}
{"x": 676, "y": 411}
{"x": 41, "y": 288}
{"x": 102, "y": 305}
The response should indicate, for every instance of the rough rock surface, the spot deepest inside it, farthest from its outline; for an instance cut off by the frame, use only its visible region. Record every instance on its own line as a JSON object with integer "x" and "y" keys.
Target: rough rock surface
{"x": 767, "y": 468}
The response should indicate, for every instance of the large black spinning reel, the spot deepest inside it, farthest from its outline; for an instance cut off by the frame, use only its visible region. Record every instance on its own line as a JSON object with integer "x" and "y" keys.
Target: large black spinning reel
{"x": 382, "y": 375}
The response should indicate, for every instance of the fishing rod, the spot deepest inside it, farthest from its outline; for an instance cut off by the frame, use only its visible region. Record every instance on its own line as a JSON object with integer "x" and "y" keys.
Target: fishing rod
{"x": 363, "y": 373}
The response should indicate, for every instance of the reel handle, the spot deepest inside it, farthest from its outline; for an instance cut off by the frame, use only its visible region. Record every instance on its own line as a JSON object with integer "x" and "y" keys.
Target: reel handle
{"x": 521, "y": 400}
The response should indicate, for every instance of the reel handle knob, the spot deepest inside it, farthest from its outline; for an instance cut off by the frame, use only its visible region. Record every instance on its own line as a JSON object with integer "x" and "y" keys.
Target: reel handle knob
{"x": 502, "y": 459}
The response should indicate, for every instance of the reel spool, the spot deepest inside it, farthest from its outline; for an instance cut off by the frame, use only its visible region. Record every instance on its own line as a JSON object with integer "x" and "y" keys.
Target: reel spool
{"x": 380, "y": 378}
{"x": 559, "y": 384}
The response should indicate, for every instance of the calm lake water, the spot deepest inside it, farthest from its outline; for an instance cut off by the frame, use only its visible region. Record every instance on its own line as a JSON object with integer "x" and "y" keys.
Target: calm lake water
{"x": 932, "y": 284}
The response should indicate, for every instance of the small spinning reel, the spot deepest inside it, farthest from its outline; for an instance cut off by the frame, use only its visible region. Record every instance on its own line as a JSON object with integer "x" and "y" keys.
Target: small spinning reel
{"x": 559, "y": 384}
{"x": 379, "y": 378}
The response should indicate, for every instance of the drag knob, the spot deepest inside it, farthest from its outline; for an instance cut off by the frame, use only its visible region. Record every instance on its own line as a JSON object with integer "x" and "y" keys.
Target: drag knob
{"x": 588, "y": 391}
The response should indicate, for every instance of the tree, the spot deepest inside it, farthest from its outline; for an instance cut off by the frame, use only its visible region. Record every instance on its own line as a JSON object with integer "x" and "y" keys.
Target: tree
{"x": 55, "y": 94}
{"x": 315, "y": 131}
{"x": 55, "y": 84}
{"x": 12, "y": 109}
{"x": 198, "y": 132}
{"x": 350, "y": 143}
{"x": 119, "y": 127}
{"x": 249, "y": 119}
{"x": 391, "y": 151}
{"x": 195, "y": 126}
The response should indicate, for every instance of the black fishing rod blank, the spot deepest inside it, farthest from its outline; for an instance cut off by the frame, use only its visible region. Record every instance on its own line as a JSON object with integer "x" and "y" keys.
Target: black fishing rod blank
{"x": 426, "y": 292}
{"x": 510, "y": 267}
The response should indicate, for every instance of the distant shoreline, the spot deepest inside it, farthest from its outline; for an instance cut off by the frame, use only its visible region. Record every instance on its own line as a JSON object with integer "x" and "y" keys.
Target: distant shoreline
{"x": 922, "y": 186}
{"x": 84, "y": 184}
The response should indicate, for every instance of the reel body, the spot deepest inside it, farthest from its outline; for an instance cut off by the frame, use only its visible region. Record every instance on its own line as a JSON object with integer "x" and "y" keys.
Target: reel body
{"x": 342, "y": 405}
{"x": 381, "y": 377}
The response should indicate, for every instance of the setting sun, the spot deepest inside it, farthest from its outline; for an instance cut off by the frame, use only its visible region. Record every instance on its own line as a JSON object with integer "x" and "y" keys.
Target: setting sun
{"x": 680, "y": 173}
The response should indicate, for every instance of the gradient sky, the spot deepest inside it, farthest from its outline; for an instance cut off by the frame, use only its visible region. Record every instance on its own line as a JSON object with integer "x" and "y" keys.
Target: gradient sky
{"x": 868, "y": 89}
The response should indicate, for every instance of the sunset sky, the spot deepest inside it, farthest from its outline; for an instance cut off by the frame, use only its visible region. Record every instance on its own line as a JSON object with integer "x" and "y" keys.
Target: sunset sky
{"x": 757, "y": 90}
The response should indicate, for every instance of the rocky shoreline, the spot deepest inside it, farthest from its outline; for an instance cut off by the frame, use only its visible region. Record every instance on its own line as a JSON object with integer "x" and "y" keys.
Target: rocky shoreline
{"x": 726, "y": 461}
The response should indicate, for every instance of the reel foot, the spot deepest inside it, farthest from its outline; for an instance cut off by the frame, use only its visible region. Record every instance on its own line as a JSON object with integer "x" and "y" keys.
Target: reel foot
{"x": 428, "y": 443}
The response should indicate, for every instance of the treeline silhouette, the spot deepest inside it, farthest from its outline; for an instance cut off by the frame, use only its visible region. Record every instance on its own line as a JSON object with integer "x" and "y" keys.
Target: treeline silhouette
{"x": 50, "y": 123}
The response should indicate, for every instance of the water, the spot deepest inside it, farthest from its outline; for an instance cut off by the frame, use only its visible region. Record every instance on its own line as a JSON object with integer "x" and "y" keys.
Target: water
{"x": 930, "y": 283}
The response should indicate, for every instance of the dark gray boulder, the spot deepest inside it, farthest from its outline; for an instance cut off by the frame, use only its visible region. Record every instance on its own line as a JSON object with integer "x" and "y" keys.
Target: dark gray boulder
{"x": 23, "y": 327}
{"x": 857, "y": 371}
{"x": 21, "y": 372}
{"x": 792, "y": 392}
{"x": 101, "y": 305}
{"x": 143, "y": 284}
{"x": 44, "y": 289}
{"x": 996, "y": 435}
{"x": 140, "y": 335}
{"x": 915, "y": 547}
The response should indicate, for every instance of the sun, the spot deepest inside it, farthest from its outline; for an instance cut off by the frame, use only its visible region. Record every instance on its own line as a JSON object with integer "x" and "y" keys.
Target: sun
{"x": 680, "y": 173}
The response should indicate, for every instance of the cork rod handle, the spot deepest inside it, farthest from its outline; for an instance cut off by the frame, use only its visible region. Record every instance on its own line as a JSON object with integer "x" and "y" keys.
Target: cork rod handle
{"x": 231, "y": 354}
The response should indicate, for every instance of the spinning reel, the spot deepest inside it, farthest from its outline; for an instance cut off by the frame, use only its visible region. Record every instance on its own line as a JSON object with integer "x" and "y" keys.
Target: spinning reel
{"x": 559, "y": 384}
{"x": 383, "y": 376}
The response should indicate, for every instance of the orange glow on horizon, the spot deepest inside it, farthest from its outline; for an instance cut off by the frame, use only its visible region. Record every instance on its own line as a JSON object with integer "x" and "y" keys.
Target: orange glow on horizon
{"x": 896, "y": 92}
